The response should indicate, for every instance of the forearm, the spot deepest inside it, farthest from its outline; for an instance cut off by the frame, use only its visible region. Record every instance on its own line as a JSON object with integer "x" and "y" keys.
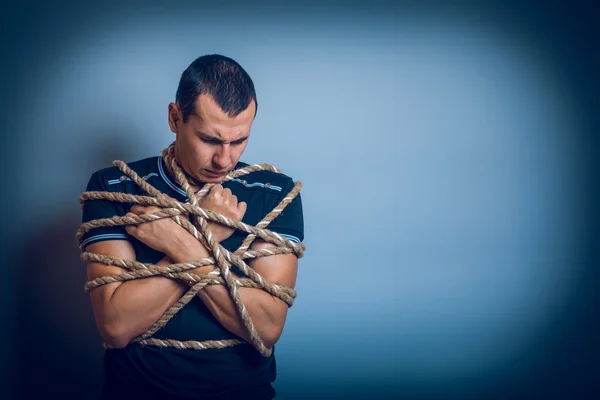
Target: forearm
{"x": 264, "y": 310}
{"x": 137, "y": 304}
{"x": 267, "y": 312}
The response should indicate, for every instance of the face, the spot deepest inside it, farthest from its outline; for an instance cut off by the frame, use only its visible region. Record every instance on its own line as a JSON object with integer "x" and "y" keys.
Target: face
{"x": 210, "y": 143}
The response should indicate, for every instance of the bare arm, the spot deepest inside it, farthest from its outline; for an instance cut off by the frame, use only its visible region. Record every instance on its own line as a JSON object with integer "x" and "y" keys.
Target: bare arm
{"x": 125, "y": 310}
{"x": 268, "y": 313}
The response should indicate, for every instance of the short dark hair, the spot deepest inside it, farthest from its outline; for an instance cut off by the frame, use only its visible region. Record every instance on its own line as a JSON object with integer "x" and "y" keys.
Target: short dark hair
{"x": 222, "y": 78}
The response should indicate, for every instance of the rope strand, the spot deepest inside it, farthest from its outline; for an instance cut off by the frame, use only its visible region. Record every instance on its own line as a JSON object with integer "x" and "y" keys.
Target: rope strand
{"x": 220, "y": 257}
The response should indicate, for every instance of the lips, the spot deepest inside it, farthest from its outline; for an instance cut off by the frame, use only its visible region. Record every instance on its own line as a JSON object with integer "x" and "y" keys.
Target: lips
{"x": 213, "y": 173}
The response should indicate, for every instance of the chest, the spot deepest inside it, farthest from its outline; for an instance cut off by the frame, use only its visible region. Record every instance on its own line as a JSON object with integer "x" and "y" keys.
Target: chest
{"x": 259, "y": 202}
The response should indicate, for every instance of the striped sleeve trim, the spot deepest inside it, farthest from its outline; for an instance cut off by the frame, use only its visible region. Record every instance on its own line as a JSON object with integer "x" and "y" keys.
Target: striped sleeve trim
{"x": 126, "y": 178}
{"x": 290, "y": 237}
{"x": 105, "y": 236}
{"x": 257, "y": 184}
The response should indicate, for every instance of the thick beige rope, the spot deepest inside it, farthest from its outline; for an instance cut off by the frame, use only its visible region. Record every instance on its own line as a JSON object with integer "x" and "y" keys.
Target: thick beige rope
{"x": 221, "y": 258}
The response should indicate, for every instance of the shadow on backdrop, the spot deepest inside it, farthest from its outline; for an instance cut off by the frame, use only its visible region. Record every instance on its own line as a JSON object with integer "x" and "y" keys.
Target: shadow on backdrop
{"x": 59, "y": 347}
{"x": 60, "y": 350}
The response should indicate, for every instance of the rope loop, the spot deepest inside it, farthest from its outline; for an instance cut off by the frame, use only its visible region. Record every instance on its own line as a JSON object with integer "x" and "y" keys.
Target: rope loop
{"x": 197, "y": 225}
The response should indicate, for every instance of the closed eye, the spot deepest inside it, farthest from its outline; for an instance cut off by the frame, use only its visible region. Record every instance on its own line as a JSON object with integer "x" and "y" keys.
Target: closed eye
{"x": 215, "y": 141}
{"x": 210, "y": 141}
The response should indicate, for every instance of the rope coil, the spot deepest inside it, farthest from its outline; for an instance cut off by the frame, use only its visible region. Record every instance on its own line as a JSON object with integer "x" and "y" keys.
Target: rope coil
{"x": 197, "y": 226}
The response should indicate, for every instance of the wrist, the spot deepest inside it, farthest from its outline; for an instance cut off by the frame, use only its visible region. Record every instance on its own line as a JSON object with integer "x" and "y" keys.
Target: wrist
{"x": 186, "y": 249}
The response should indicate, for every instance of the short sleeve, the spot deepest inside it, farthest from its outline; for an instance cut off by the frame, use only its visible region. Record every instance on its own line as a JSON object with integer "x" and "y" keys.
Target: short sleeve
{"x": 98, "y": 209}
{"x": 290, "y": 223}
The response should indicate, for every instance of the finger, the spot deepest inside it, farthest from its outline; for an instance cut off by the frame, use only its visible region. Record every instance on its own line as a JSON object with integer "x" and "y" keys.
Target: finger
{"x": 167, "y": 197}
{"x": 145, "y": 210}
{"x": 216, "y": 189}
{"x": 233, "y": 199}
{"x": 242, "y": 208}
{"x": 137, "y": 209}
{"x": 130, "y": 228}
{"x": 130, "y": 214}
{"x": 227, "y": 193}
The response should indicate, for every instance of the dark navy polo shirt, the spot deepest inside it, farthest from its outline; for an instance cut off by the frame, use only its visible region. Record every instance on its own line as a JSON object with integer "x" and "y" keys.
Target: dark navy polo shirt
{"x": 238, "y": 371}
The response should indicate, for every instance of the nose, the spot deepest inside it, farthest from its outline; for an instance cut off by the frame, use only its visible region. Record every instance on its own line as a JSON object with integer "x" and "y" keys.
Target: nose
{"x": 222, "y": 157}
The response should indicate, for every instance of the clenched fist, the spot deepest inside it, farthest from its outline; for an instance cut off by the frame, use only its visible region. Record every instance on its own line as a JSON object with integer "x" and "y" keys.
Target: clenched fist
{"x": 162, "y": 235}
{"x": 222, "y": 201}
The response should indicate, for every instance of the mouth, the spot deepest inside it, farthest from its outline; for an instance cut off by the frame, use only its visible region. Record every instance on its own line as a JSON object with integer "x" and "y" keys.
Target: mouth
{"x": 214, "y": 174}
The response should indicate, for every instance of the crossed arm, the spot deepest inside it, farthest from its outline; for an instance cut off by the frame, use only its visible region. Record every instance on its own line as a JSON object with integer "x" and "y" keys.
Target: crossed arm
{"x": 125, "y": 310}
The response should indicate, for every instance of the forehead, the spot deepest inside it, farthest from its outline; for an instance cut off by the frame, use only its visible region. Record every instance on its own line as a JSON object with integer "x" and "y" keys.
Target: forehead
{"x": 209, "y": 115}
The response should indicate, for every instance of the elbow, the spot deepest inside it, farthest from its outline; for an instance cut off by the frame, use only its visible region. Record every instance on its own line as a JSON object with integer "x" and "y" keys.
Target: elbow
{"x": 271, "y": 336}
{"x": 114, "y": 337}
{"x": 116, "y": 342}
{"x": 274, "y": 323}
{"x": 109, "y": 322}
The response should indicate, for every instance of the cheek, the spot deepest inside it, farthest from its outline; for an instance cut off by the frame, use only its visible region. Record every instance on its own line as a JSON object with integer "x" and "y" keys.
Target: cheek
{"x": 237, "y": 153}
{"x": 192, "y": 149}
{"x": 203, "y": 154}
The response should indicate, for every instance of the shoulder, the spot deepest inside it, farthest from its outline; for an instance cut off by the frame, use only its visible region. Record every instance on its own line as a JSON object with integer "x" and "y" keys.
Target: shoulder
{"x": 109, "y": 178}
{"x": 274, "y": 194}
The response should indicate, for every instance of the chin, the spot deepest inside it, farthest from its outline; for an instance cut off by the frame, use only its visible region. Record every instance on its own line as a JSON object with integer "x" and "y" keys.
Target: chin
{"x": 213, "y": 180}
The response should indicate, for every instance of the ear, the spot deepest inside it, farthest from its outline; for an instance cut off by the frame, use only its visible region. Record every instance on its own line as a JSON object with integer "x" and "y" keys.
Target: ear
{"x": 175, "y": 117}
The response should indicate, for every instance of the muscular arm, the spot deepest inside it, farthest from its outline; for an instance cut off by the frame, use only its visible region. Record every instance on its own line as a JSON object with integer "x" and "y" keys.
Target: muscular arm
{"x": 268, "y": 313}
{"x": 125, "y": 310}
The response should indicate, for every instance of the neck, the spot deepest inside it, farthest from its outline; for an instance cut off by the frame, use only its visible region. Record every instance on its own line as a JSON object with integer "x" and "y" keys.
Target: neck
{"x": 194, "y": 184}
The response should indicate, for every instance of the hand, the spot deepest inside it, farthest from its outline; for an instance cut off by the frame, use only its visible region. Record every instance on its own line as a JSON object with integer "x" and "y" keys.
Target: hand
{"x": 222, "y": 201}
{"x": 163, "y": 235}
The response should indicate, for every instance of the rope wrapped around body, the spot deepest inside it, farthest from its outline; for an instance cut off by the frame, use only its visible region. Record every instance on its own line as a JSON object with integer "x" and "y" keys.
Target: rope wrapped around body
{"x": 197, "y": 225}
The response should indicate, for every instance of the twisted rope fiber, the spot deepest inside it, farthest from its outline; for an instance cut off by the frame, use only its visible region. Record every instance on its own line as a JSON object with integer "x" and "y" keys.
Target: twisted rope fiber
{"x": 197, "y": 226}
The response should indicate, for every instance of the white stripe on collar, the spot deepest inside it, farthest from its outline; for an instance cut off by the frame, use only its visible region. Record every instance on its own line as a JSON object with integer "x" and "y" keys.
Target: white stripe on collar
{"x": 167, "y": 180}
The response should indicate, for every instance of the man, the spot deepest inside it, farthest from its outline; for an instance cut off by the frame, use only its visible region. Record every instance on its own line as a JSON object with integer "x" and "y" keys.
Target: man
{"x": 212, "y": 117}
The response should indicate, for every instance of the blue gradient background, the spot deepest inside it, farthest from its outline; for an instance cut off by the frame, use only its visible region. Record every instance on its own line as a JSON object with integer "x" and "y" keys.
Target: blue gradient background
{"x": 448, "y": 155}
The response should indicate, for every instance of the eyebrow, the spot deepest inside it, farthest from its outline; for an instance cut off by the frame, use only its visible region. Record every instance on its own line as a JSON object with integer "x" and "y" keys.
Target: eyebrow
{"x": 218, "y": 139}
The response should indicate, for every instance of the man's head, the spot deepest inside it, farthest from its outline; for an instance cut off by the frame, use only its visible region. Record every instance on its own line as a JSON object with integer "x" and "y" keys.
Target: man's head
{"x": 212, "y": 116}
